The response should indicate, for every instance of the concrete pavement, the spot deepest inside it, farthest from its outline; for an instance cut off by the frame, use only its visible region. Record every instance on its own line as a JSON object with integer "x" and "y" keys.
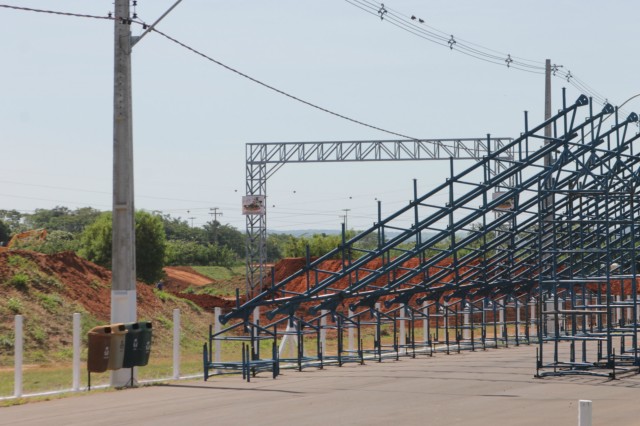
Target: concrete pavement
{"x": 495, "y": 387}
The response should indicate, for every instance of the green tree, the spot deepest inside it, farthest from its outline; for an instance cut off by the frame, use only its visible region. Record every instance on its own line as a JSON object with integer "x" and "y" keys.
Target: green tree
{"x": 180, "y": 252}
{"x": 95, "y": 241}
{"x": 55, "y": 242}
{"x": 150, "y": 247}
{"x": 192, "y": 253}
{"x": 62, "y": 219}
{"x": 225, "y": 236}
{"x": 276, "y": 246}
{"x": 5, "y": 233}
{"x": 95, "y": 244}
{"x": 13, "y": 219}
{"x": 179, "y": 229}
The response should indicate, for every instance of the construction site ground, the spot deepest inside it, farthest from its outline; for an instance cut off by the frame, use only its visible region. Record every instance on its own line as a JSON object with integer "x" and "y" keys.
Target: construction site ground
{"x": 496, "y": 387}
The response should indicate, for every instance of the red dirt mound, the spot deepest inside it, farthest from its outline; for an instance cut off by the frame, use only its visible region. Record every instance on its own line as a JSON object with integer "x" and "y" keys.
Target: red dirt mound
{"x": 208, "y": 302}
{"x": 82, "y": 281}
{"x": 178, "y": 278}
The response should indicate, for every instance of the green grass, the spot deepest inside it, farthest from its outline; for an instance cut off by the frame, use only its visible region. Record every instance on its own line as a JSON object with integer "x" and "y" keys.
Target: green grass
{"x": 51, "y": 302}
{"x": 20, "y": 281}
{"x": 226, "y": 280}
{"x": 15, "y": 305}
{"x": 221, "y": 273}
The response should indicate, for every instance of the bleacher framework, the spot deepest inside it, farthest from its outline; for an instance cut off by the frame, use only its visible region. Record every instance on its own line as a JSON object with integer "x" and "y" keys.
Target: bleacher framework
{"x": 551, "y": 260}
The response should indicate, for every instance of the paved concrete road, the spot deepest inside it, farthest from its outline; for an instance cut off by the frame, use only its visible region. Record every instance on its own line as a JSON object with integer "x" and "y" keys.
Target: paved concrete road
{"x": 482, "y": 388}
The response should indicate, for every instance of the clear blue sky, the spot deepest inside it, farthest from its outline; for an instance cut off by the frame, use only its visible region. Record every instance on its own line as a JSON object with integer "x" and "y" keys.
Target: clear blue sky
{"x": 192, "y": 118}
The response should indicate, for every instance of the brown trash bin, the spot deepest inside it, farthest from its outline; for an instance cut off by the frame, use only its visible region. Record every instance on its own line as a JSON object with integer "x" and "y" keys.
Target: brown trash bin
{"x": 99, "y": 349}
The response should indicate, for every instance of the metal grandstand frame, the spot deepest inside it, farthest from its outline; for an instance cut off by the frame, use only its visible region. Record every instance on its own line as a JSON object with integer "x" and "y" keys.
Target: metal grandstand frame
{"x": 563, "y": 251}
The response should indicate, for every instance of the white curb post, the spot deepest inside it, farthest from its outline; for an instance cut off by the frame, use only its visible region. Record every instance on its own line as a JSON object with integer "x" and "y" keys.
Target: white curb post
{"x": 19, "y": 346}
{"x": 217, "y": 356}
{"x": 425, "y": 322}
{"x": 76, "y": 352}
{"x": 403, "y": 337}
{"x": 501, "y": 308}
{"x": 293, "y": 341}
{"x": 289, "y": 340}
{"x": 350, "y": 334}
{"x": 466, "y": 331}
{"x": 176, "y": 343}
{"x": 532, "y": 319}
{"x": 518, "y": 306}
{"x": 584, "y": 413}
{"x": 323, "y": 332}
{"x": 550, "y": 318}
{"x": 378, "y": 337}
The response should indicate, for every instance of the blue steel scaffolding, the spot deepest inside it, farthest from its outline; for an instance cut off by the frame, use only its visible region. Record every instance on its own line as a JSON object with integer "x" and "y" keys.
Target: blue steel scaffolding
{"x": 550, "y": 259}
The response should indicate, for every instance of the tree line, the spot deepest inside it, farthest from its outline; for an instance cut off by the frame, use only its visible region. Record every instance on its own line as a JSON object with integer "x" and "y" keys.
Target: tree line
{"x": 161, "y": 240}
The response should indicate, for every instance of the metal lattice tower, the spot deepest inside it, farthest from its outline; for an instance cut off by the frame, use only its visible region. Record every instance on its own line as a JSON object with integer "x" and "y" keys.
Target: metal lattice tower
{"x": 264, "y": 159}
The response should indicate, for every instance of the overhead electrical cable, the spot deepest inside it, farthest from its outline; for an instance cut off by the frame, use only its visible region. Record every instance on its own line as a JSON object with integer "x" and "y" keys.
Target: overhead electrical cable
{"x": 418, "y": 27}
{"x": 229, "y": 68}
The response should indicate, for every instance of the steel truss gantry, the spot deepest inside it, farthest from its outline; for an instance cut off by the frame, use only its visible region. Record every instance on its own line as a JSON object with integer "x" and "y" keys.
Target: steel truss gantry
{"x": 558, "y": 266}
{"x": 264, "y": 159}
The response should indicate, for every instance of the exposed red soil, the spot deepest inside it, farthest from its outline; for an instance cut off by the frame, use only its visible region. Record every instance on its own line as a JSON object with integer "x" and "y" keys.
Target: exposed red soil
{"x": 208, "y": 302}
{"x": 179, "y": 278}
{"x": 82, "y": 281}
{"x": 287, "y": 267}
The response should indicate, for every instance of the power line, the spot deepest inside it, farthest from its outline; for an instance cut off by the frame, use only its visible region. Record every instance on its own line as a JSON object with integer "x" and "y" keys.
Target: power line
{"x": 197, "y": 52}
{"x": 423, "y": 30}
{"x": 397, "y": 19}
{"x": 54, "y": 12}
{"x": 328, "y": 111}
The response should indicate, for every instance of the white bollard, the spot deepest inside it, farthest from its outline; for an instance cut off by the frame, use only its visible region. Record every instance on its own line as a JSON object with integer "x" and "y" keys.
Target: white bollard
{"x": 323, "y": 332}
{"x": 350, "y": 335}
{"x": 618, "y": 310}
{"x": 176, "y": 343}
{"x": 256, "y": 320}
{"x": 217, "y": 356}
{"x": 532, "y": 319}
{"x": 533, "y": 312}
{"x": 584, "y": 413}
{"x": 403, "y": 337}
{"x": 293, "y": 342}
{"x": 19, "y": 346}
{"x": 289, "y": 340}
{"x": 466, "y": 331}
{"x": 377, "y": 306}
{"x": 256, "y": 315}
{"x": 425, "y": 323}
{"x": 550, "y": 318}
{"x": 503, "y": 326}
{"x": 76, "y": 352}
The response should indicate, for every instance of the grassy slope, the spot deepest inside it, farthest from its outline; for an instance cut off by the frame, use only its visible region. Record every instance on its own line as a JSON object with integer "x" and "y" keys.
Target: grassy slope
{"x": 226, "y": 280}
{"x": 47, "y": 310}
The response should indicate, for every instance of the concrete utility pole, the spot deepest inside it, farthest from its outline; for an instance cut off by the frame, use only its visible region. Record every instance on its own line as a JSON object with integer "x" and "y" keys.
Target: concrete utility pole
{"x": 547, "y": 96}
{"x": 346, "y": 218}
{"x": 214, "y": 212}
{"x": 123, "y": 285}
